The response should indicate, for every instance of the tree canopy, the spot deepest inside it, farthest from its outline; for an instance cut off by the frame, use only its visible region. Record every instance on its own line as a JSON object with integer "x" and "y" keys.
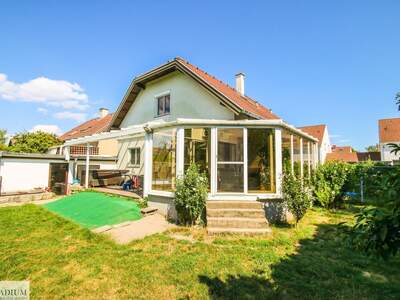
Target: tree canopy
{"x": 33, "y": 142}
{"x": 372, "y": 148}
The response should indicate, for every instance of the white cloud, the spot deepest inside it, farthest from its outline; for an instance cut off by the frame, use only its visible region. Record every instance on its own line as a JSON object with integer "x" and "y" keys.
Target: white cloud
{"x": 43, "y": 110}
{"x": 59, "y": 93}
{"x": 79, "y": 117}
{"x": 47, "y": 128}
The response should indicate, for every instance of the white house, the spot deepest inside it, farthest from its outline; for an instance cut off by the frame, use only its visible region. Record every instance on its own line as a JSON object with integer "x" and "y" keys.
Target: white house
{"x": 25, "y": 172}
{"x": 177, "y": 114}
{"x": 389, "y": 132}
{"x": 320, "y": 132}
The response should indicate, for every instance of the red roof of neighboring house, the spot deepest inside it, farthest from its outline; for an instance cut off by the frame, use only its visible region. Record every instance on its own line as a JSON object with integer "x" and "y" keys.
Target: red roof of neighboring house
{"x": 342, "y": 156}
{"x": 316, "y": 131}
{"x": 389, "y": 130}
{"x": 353, "y": 156}
{"x": 346, "y": 149}
{"x": 244, "y": 102}
{"x": 90, "y": 127}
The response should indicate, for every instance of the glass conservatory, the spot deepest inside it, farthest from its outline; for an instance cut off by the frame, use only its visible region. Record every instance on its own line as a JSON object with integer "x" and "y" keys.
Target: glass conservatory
{"x": 242, "y": 161}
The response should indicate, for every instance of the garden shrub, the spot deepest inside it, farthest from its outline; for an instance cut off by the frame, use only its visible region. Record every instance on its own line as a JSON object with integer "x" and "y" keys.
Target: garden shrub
{"x": 377, "y": 229}
{"x": 328, "y": 182}
{"x": 191, "y": 195}
{"x": 296, "y": 195}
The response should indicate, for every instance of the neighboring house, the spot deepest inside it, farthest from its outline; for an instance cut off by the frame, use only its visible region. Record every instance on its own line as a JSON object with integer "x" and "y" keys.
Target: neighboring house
{"x": 320, "y": 132}
{"x": 389, "y": 132}
{"x": 93, "y": 126}
{"x": 347, "y": 154}
{"x": 25, "y": 172}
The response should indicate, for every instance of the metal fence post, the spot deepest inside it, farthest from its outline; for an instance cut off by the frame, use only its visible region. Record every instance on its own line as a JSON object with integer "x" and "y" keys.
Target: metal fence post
{"x": 362, "y": 188}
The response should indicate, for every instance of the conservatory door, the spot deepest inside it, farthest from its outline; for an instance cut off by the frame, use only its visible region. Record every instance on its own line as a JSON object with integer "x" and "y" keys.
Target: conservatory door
{"x": 230, "y": 160}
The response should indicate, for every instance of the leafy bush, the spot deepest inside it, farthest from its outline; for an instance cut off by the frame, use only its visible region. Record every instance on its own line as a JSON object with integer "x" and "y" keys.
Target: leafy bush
{"x": 297, "y": 195}
{"x": 191, "y": 195}
{"x": 34, "y": 142}
{"x": 377, "y": 230}
{"x": 328, "y": 182}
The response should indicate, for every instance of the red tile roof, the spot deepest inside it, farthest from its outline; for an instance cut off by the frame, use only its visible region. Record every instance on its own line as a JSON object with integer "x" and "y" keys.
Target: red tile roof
{"x": 342, "y": 156}
{"x": 347, "y": 149}
{"x": 389, "y": 130}
{"x": 353, "y": 156}
{"x": 88, "y": 128}
{"x": 244, "y": 102}
{"x": 316, "y": 131}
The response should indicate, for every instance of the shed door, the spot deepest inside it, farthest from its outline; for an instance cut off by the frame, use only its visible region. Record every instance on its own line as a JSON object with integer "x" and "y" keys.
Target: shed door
{"x": 58, "y": 178}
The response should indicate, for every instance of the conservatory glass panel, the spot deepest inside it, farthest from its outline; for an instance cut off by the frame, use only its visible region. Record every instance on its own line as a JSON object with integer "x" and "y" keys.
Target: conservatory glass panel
{"x": 230, "y": 175}
{"x": 286, "y": 153}
{"x": 296, "y": 156}
{"x": 197, "y": 149}
{"x": 306, "y": 157}
{"x": 164, "y": 160}
{"x": 260, "y": 160}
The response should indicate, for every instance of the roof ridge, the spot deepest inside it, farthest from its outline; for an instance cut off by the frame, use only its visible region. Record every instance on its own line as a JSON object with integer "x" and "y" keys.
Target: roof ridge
{"x": 238, "y": 94}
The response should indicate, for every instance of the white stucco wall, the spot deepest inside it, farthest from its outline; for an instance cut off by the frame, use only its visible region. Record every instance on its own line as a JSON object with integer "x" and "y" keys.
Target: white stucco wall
{"x": 124, "y": 155}
{"x": 23, "y": 174}
{"x": 325, "y": 146}
{"x": 188, "y": 99}
{"x": 385, "y": 153}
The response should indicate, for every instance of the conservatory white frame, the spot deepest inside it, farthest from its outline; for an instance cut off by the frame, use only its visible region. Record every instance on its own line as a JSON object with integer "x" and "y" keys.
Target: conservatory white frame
{"x": 181, "y": 124}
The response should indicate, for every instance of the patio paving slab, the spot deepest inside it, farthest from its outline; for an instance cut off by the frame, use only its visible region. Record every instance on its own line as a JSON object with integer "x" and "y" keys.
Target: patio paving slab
{"x": 146, "y": 226}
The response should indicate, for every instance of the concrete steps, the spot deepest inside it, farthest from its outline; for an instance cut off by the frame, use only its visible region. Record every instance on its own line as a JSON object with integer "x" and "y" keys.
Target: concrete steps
{"x": 240, "y": 217}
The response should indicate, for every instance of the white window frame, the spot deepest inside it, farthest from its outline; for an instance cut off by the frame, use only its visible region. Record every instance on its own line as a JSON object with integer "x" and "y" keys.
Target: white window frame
{"x": 137, "y": 154}
{"x": 244, "y": 163}
{"x": 156, "y": 97}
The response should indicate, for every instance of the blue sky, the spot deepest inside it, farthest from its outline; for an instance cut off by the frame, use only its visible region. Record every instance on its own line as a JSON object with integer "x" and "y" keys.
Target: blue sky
{"x": 311, "y": 62}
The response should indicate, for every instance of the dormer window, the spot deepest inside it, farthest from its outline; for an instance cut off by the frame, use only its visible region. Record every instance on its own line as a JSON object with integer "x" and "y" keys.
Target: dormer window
{"x": 163, "y": 105}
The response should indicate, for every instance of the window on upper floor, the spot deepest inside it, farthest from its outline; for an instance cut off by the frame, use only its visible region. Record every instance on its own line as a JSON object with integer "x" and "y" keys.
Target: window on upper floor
{"x": 135, "y": 156}
{"x": 163, "y": 105}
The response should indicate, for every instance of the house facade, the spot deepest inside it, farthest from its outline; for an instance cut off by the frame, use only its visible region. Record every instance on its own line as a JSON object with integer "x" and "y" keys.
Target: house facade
{"x": 389, "y": 132}
{"x": 177, "y": 114}
{"x": 321, "y": 133}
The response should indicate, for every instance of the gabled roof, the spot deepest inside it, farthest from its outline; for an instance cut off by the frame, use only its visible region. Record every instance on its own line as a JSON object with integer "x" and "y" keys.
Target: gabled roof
{"x": 347, "y": 149}
{"x": 90, "y": 127}
{"x": 352, "y": 157}
{"x": 389, "y": 130}
{"x": 316, "y": 131}
{"x": 227, "y": 95}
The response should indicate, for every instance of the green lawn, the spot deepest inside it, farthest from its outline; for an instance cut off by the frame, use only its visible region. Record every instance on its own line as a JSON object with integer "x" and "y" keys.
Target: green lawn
{"x": 63, "y": 260}
{"x": 92, "y": 209}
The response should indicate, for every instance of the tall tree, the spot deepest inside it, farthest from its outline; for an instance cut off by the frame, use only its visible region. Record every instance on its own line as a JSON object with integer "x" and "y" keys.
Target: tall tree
{"x": 396, "y": 147}
{"x": 34, "y": 142}
{"x": 372, "y": 148}
{"x": 3, "y": 133}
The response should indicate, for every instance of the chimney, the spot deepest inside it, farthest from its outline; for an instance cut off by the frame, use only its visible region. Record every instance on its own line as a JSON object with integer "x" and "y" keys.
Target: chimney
{"x": 240, "y": 83}
{"x": 103, "y": 112}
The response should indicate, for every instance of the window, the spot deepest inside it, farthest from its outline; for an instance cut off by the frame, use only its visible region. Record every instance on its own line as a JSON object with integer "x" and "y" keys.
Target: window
{"x": 164, "y": 160}
{"x": 163, "y": 105}
{"x": 260, "y": 160}
{"x": 135, "y": 156}
{"x": 230, "y": 169}
{"x": 197, "y": 149}
{"x": 286, "y": 152}
{"x": 296, "y": 155}
{"x": 306, "y": 158}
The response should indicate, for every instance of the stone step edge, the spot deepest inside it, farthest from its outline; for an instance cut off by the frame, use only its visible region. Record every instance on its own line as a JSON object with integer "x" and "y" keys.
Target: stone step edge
{"x": 237, "y": 209}
{"x": 216, "y": 230}
{"x": 237, "y": 219}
